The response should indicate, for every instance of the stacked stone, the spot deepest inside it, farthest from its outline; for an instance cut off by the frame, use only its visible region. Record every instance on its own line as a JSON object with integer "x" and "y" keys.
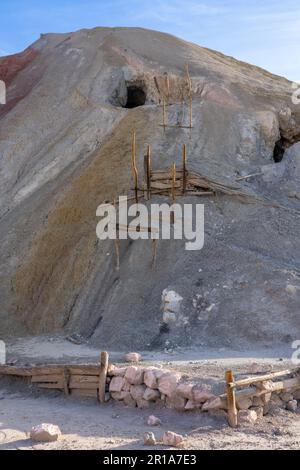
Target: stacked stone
{"x": 143, "y": 387}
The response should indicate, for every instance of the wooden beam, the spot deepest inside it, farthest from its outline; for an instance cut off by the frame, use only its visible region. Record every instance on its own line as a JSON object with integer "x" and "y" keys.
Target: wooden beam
{"x": 148, "y": 171}
{"x": 184, "y": 169}
{"x": 134, "y": 167}
{"x": 262, "y": 378}
{"x": 189, "y": 81}
{"x": 231, "y": 401}
{"x": 102, "y": 375}
{"x": 66, "y": 380}
{"x": 164, "y": 114}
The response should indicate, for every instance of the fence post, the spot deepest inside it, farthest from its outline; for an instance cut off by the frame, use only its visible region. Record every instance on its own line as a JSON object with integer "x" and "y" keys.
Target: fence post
{"x": 102, "y": 376}
{"x": 231, "y": 401}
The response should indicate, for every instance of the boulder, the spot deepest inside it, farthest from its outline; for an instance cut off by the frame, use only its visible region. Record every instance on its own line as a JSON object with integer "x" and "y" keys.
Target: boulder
{"x": 126, "y": 386}
{"x": 149, "y": 439}
{"x": 244, "y": 403}
{"x": 286, "y": 397}
{"x": 176, "y": 402}
{"x": 185, "y": 390}
{"x": 116, "y": 384}
{"x": 247, "y": 417}
{"x": 192, "y": 405}
{"x": 151, "y": 394}
{"x": 172, "y": 439}
{"x": 213, "y": 403}
{"x": 118, "y": 371}
{"x": 201, "y": 393}
{"x": 129, "y": 401}
{"x": 133, "y": 357}
{"x": 150, "y": 378}
{"x": 292, "y": 405}
{"x": 119, "y": 395}
{"x": 45, "y": 432}
{"x": 134, "y": 375}
{"x": 153, "y": 421}
{"x": 137, "y": 392}
{"x": 167, "y": 383}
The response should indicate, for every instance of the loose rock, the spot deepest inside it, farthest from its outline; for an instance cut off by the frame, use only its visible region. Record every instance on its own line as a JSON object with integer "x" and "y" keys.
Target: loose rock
{"x": 149, "y": 439}
{"x": 172, "y": 439}
{"x": 153, "y": 421}
{"x": 45, "y": 432}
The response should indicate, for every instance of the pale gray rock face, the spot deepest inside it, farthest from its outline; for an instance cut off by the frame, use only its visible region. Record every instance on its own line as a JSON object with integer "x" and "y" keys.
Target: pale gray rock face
{"x": 65, "y": 143}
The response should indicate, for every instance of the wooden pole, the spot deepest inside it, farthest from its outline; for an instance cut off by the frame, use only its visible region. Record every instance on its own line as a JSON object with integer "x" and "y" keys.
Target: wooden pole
{"x": 231, "y": 401}
{"x": 154, "y": 252}
{"x": 168, "y": 88}
{"x": 173, "y": 191}
{"x": 148, "y": 172}
{"x": 134, "y": 167}
{"x": 164, "y": 114}
{"x": 102, "y": 376}
{"x": 66, "y": 380}
{"x": 184, "y": 169}
{"x": 117, "y": 243}
{"x": 190, "y": 94}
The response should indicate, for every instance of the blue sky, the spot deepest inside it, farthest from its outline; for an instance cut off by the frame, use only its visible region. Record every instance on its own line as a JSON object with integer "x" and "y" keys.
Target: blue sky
{"x": 265, "y": 33}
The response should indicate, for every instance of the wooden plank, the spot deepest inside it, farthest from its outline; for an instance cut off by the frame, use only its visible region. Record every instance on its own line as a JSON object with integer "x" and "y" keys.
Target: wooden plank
{"x": 46, "y": 378}
{"x": 250, "y": 392}
{"x": 78, "y": 392}
{"x": 103, "y": 375}
{"x": 88, "y": 369}
{"x": 231, "y": 400}
{"x": 262, "y": 378}
{"x": 162, "y": 185}
{"x": 57, "y": 385}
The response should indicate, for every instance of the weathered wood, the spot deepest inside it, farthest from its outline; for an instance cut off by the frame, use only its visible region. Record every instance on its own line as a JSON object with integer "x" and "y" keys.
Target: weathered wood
{"x": 29, "y": 371}
{"x": 78, "y": 392}
{"x": 166, "y": 185}
{"x": 148, "y": 172}
{"x": 154, "y": 253}
{"x": 88, "y": 369}
{"x": 164, "y": 114}
{"x": 66, "y": 380}
{"x": 57, "y": 385}
{"x": 189, "y": 81}
{"x": 251, "y": 392}
{"x": 103, "y": 375}
{"x": 134, "y": 167}
{"x": 262, "y": 378}
{"x": 46, "y": 378}
{"x": 179, "y": 126}
{"x": 231, "y": 400}
{"x": 184, "y": 169}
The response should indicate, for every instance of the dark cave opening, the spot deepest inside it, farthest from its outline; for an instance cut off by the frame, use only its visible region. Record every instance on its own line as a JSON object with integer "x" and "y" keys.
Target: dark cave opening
{"x": 279, "y": 150}
{"x": 136, "y": 96}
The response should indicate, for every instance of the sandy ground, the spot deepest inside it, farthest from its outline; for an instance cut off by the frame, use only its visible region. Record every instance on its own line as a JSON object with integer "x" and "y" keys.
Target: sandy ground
{"x": 87, "y": 425}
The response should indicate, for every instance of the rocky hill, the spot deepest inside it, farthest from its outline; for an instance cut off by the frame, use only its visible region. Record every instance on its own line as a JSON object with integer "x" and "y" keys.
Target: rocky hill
{"x": 65, "y": 147}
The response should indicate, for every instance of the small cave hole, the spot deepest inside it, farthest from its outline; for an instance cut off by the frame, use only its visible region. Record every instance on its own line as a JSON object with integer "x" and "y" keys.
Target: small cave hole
{"x": 279, "y": 150}
{"x": 136, "y": 96}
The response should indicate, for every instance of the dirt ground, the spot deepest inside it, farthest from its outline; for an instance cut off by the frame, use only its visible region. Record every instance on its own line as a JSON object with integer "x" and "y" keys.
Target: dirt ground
{"x": 87, "y": 425}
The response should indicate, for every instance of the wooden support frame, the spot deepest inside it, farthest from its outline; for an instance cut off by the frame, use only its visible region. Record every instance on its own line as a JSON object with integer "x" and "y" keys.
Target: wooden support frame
{"x": 231, "y": 399}
{"x": 102, "y": 376}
